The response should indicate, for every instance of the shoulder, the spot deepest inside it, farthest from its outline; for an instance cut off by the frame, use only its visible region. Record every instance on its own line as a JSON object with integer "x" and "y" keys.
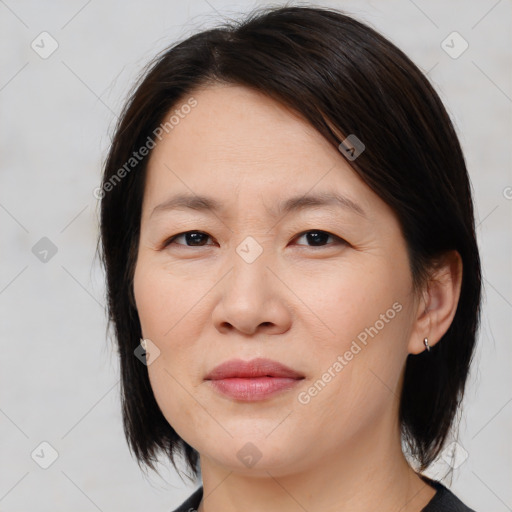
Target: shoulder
{"x": 192, "y": 502}
{"x": 445, "y": 501}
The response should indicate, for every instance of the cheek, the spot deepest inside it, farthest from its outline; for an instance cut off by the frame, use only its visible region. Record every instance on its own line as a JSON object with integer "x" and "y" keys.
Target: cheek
{"x": 347, "y": 301}
{"x": 172, "y": 315}
{"x": 164, "y": 300}
{"x": 169, "y": 312}
{"x": 360, "y": 348}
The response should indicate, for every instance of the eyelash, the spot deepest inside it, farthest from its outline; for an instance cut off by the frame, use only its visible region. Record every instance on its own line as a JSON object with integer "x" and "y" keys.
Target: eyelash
{"x": 170, "y": 240}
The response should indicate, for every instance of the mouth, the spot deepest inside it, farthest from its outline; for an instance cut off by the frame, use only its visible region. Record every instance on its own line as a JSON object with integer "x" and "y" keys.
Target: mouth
{"x": 253, "y": 380}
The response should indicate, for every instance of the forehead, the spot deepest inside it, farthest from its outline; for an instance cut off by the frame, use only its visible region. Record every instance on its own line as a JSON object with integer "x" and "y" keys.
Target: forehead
{"x": 234, "y": 122}
{"x": 239, "y": 142}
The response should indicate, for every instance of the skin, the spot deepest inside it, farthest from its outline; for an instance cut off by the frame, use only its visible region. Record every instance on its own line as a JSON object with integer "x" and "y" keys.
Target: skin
{"x": 299, "y": 303}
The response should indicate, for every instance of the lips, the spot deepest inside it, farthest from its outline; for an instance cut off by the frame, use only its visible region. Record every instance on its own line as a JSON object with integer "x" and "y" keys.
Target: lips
{"x": 251, "y": 381}
{"x": 237, "y": 368}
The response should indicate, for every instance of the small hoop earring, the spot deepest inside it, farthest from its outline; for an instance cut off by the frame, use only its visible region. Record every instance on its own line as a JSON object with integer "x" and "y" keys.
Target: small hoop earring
{"x": 143, "y": 344}
{"x": 427, "y": 346}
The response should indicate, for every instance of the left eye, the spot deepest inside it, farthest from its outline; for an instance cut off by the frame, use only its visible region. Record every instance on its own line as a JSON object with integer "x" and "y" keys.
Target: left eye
{"x": 318, "y": 238}
{"x": 314, "y": 238}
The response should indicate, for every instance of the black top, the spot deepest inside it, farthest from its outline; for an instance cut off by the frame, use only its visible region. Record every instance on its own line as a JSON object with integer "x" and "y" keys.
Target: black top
{"x": 443, "y": 501}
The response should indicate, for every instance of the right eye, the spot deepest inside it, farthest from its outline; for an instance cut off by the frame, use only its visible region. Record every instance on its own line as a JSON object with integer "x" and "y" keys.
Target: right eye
{"x": 192, "y": 239}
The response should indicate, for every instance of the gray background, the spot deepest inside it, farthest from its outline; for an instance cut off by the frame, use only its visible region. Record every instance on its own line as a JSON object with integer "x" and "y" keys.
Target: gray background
{"x": 59, "y": 380}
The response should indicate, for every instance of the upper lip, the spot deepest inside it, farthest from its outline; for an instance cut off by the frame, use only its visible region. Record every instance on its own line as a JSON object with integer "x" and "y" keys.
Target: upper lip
{"x": 251, "y": 369}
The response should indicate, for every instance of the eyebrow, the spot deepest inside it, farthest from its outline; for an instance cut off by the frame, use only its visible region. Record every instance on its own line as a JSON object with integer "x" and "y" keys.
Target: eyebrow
{"x": 296, "y": 203}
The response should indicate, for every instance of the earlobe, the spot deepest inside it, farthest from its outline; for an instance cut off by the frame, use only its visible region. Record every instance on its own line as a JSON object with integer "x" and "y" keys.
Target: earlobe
{"x": 438, "y": 304}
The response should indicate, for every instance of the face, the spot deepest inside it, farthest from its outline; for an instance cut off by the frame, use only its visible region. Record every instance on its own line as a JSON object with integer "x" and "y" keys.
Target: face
{"x": 257, "y": 270}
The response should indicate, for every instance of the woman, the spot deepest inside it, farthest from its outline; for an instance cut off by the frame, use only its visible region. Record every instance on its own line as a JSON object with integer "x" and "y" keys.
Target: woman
{"x": 293, "y": 277}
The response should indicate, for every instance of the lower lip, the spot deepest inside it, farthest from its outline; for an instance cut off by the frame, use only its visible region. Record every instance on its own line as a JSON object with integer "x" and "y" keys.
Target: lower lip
{"x": 253, "y": 389}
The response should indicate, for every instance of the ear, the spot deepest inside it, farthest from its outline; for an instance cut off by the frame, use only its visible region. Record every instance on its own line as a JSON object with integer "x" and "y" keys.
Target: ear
{"x": 438, "y": 302}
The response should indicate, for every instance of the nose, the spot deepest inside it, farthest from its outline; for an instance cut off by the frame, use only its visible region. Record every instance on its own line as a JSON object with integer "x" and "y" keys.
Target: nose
{"x": 252, "y": 299}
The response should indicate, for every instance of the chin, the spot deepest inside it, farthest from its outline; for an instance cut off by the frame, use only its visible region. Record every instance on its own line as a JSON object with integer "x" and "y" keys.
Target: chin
{"x": 256, "y": 455}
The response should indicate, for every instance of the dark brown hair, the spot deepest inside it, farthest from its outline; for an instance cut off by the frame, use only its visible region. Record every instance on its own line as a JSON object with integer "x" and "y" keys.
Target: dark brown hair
{"x": 343, "y": 78}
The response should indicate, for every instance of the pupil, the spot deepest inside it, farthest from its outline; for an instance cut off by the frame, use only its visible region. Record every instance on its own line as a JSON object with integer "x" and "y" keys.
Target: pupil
{"x": 316, "y": 238}
{"x": 195, "y": 238}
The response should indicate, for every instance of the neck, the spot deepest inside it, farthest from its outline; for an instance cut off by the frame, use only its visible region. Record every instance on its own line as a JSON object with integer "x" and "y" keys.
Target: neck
{"x": 358, "y": 477}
